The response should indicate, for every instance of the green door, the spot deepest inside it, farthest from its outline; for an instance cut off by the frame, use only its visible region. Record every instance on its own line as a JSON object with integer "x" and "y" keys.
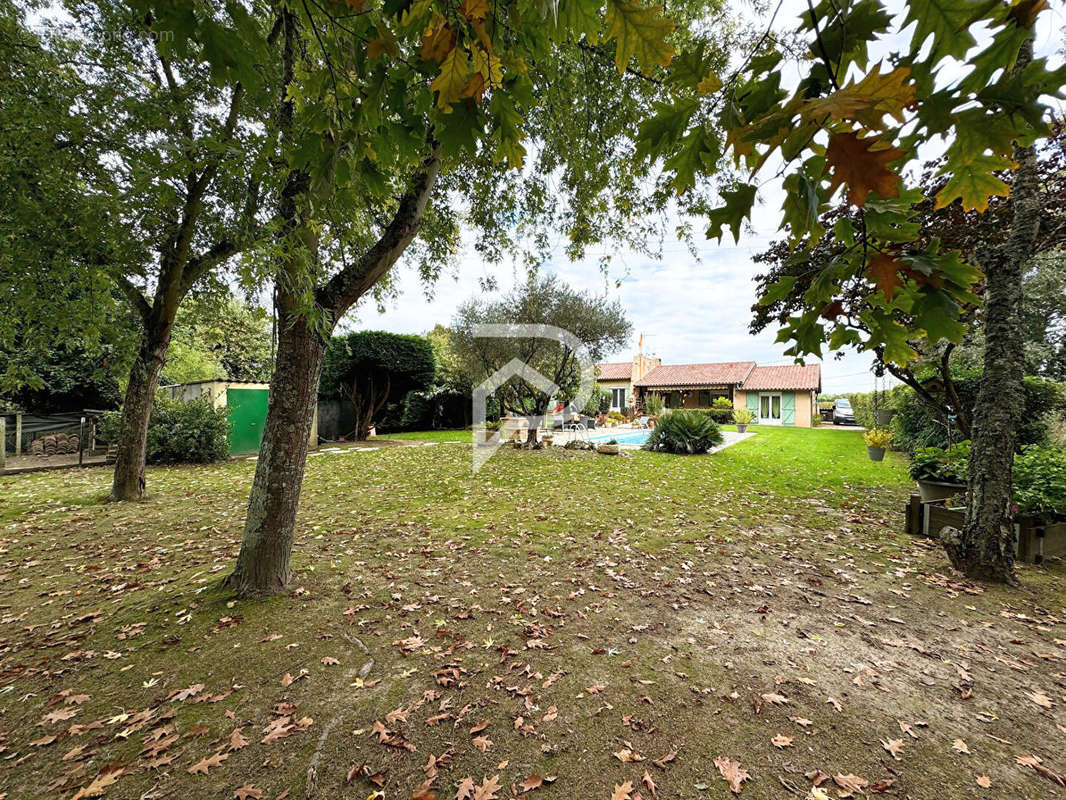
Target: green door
{"x": 247, "y": 416}
{"x": 788, "y": 408}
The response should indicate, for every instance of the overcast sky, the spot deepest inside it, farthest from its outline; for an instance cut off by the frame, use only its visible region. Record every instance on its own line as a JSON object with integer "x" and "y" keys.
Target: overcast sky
{"x": 688, "y": 310}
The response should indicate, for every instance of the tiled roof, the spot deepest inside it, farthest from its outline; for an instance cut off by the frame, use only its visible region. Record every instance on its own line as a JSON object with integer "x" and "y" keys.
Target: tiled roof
{"x": 615, "y": 372}
{"x": 788, "y": 377}
{"x": 669, "y": 375}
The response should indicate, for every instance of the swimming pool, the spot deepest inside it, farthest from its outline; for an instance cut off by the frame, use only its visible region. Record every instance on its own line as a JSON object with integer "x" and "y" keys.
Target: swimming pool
{"x": 627, "y": 437}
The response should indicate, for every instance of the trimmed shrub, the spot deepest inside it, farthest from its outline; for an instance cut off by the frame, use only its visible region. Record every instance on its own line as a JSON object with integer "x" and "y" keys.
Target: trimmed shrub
{"x": 719, "y": 415}
{"x": 1040, "y": 482}
{"x": 179, "y": 433}
{"x": 653, "y": 405}
{"x": 687, "y": 432}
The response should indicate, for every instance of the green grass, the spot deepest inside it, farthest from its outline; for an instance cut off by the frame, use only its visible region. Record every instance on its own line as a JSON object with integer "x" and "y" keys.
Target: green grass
{"x": 688, "y": 587}
{"x": 457, "y": 435}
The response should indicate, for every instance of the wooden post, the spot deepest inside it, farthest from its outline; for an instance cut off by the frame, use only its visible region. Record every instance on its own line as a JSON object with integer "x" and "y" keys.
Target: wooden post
{"x": 3, "y": 442}
{"x": 81, "y": 442}
{"x": 18, "y": 433}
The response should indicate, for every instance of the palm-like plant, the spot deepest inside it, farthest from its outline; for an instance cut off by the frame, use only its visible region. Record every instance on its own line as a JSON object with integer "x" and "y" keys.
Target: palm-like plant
{"x": 684, "y": 432}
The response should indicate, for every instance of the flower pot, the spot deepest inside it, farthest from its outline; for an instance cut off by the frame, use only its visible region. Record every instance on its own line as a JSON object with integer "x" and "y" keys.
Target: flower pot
{"x": 875, "y": 453}
{"x": 939, "y": 490}
{"x": 608, "y": 449}
{"x": 883, "y": 416}
{"x": 742, "y": 427}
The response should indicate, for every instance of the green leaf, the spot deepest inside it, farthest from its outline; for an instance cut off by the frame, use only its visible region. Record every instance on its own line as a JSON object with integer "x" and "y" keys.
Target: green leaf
{"x": 738, "y": 205}
{"x": 659, "y": 133}
{"x": 947, "y": 21}
{"x": 801, "y": 205}
{"x": 640, "y": 32}
{"x": 698, "y": 154}
{"x": 937, "y": 313}
{"x": 974, "y": 181}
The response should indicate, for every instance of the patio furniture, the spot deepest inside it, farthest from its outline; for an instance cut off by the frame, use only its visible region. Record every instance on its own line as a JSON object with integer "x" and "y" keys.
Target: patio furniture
{"x": 643, "y": 423}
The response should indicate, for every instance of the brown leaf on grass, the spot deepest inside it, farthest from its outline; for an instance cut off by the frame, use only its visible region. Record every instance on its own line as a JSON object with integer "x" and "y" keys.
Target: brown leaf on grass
{"x": 380, "y": 731}
{"x": 1041, "y": 699}
{"x": 648, "y": 782}
{"x": 479, "y": 727}
{"x": 396, "y": 715}
{"x": 551, "y": 714}
{"x": 197, "y": 730}
{"x": 532, "y": 782}
{"x": 907, "y": 729}
{"x": 465, "y": 790}
{"x": 237, "y": 740}
{"x": 106, "y": 778}
{"x": 850, "y": 784}
{"x": 329, "y": 661}
{"x": 817, "y": 777}
{"x": 1036, "y": 764}
{"x": 960, "y": 745}
{"x": 204, "y": 764}
{"x": 893, "y": 746}
{"x": 248, "y": 792}
{"x": 58, "y": 715}
{"x": 662, "y": 762}
{"x": 179, "y": 695}
{"x": 732, "y": 773}
{"x": 482, "y": 743}
{"x": 775, "y": 699}
{"x": 627, "y": 756}
{"x": 781, "y": 741}
{"x": 44, "y": 741}
{"x": 984, "y": 781}
{"x": 622, "y": 791}
{"x": 423, "y": 792}
{"x": 488, "y": 788}
{"x": 596, "y": 688}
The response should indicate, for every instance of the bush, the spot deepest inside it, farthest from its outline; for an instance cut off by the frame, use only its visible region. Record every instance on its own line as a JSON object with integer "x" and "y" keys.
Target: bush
{"x": 599, "y": 402}
{"x": 1040, "y": 482}
{"x": 720, "y": 416}
{"x": 179, "y": 433}
{"x": 916, "y": 426}
{"x": 949, "y": 465}
{"x": 722, "y": 402}
{"x": 653, "y": 405}
{"x": 686, "y": 432}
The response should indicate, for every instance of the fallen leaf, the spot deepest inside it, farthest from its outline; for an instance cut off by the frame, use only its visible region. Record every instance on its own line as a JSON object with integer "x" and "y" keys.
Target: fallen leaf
{"x": 248, "y": 792}
{"x": 984, "y": 781}
{"x": 732, "y": 772}
{"x": 960, "y": 745}
{"x": 204, "y": 764}
{"x": 622, "y": 791}
{"x": 893, "y": 746}
{"x": 850, "y": 784}
{"x": 781, "y": 741}
{"x": 532, "y": 782}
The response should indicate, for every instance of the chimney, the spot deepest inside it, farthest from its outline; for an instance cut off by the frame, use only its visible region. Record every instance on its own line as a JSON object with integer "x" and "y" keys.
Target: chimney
{"x": 643, "y": 364}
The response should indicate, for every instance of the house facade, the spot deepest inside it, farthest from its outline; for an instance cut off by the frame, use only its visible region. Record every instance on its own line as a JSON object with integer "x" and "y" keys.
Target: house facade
{"x": 776, "y": 395}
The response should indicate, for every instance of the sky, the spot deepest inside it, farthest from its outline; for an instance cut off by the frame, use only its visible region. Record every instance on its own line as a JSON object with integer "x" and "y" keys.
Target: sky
{"x": 689, "y": 310}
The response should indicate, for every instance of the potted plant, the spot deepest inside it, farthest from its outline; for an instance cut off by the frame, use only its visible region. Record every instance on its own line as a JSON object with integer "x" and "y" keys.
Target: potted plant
{"x": 609, "y": 448}
{"x": 877, "y": 439}
{"x": 742, "y": 417}
{"x": 941, "y": 472}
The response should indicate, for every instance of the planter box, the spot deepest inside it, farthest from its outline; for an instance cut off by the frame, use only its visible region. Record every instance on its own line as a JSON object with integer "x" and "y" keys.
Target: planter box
{"x": 1034, "y": 541}
{"x": 608, "y": 449}
{"x": 742, "y": 427}
{"x": 884, "y": 416}
{"x": 939, "y": 490}
{"x": 875, "y": 453}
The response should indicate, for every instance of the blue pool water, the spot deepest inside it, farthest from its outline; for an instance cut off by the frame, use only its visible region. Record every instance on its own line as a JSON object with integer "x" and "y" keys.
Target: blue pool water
{"x": 628, "y": 437}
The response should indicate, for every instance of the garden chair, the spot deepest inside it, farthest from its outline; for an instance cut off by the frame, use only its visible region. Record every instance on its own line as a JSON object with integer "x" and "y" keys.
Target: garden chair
{"x": 643, "y": 423}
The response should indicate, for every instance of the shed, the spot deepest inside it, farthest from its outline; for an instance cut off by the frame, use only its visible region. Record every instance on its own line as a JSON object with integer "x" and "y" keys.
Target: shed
{"x": 247, "y": 402}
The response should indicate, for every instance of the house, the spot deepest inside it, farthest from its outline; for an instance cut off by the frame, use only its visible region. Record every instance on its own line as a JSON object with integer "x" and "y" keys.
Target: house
{"x": 776, "y": 395}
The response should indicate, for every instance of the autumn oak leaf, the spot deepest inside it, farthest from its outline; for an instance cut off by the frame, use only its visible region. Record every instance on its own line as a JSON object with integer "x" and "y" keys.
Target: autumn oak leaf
{"x": 861, "y": 168}
{"x": 732, "y": 773}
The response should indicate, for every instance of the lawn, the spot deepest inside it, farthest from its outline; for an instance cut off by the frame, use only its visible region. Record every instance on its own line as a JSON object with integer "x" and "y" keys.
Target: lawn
{"x": 587, "y": 626}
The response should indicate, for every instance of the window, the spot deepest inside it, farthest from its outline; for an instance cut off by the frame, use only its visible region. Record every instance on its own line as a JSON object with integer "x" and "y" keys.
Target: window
{"x": 618, "y": 398}
{"x": 704, "y": 399}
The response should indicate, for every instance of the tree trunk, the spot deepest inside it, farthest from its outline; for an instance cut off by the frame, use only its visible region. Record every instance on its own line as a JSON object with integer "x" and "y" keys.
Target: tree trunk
{"x": 263, "y": 564}
{"x": 128, "y": 481}
{"x": 984, "y": 549}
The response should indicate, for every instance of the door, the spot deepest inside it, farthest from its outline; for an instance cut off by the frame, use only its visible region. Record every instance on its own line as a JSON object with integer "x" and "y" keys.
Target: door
{"x": 247, "y": 416}
{"x": 770, "y": 409}
{"x": 618, "y": 399}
